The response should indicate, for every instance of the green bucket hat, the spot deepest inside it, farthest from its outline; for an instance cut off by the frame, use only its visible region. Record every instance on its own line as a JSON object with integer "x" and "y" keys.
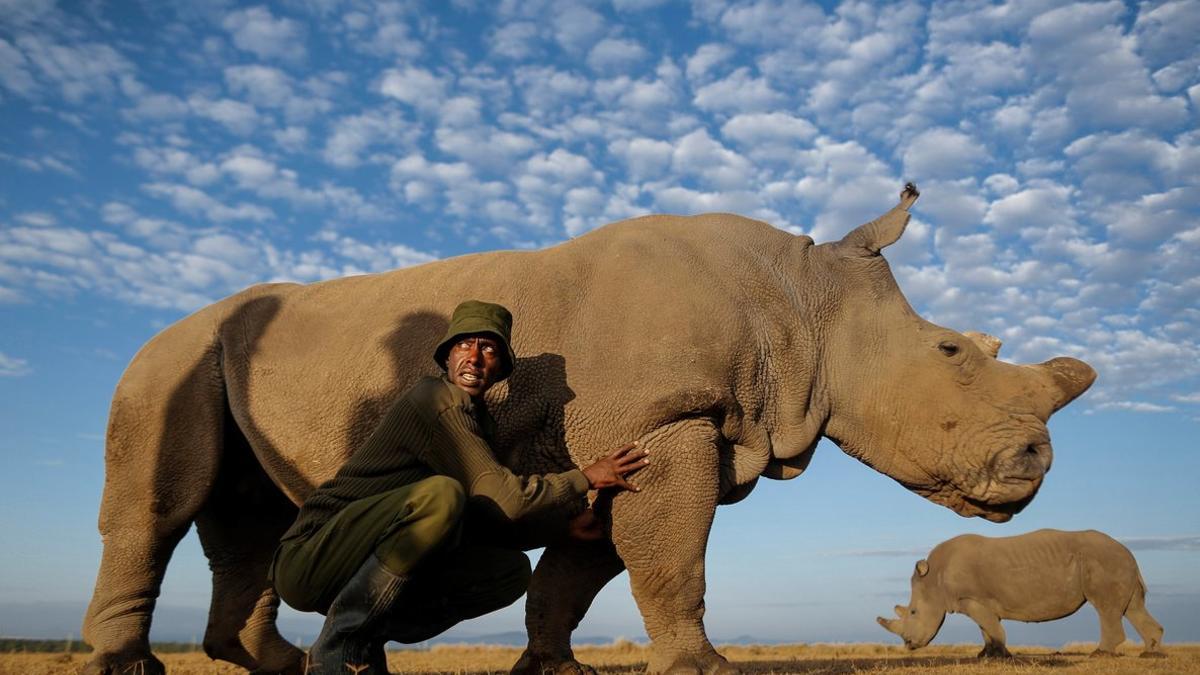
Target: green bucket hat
{"x": 475, "y": 316}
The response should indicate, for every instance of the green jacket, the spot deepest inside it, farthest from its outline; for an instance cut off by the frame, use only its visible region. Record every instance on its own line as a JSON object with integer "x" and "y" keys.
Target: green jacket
{"x": 437, "y": 428}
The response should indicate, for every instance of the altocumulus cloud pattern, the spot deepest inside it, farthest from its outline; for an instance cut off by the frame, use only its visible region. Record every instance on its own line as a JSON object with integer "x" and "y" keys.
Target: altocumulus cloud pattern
{"x": 163, "y": 156}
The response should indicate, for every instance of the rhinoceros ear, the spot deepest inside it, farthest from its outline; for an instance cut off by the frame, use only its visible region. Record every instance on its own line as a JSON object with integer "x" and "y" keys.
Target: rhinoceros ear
{"x": 922, "y": 567}
{"x": 988, "y": 344}
{"x": 870, "y": 238}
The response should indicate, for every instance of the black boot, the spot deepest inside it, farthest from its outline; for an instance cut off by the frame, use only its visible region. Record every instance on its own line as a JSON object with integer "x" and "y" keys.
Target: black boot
{"x": 350, "y": 640}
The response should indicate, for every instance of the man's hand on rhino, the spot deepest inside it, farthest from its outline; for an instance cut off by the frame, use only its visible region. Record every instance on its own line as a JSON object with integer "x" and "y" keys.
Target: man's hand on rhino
{"x": 611, "y": 470}
{"x": 585, "y": 527}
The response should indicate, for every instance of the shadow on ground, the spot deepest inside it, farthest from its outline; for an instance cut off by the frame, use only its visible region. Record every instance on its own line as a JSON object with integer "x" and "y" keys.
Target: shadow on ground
{"x": 836, "y": 666}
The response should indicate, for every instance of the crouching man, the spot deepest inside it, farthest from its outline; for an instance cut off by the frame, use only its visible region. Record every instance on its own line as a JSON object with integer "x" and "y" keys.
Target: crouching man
{"x": 379, "y": 548}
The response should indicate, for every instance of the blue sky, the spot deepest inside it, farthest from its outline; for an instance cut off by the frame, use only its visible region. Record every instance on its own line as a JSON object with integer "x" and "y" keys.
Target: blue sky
{"x": 154, "y": 158}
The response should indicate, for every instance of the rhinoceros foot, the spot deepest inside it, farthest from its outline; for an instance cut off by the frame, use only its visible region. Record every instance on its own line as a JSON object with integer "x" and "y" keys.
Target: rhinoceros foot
{"x": 995, "y": 652}
{"x": 122, "y": 663}
{"x": 533, "y": 663}
{"x": 711, "y": 664}
{"x": 1153, "y": 654}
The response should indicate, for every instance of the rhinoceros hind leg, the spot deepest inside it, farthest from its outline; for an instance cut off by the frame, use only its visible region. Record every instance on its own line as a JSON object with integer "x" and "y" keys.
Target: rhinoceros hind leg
{"x": 1150, "y": 630}
{"x": 661, "y": 533}
{"x": 239, "y": 528}
{"x": 161, "y": 453}
{"x": 565, "y": 581}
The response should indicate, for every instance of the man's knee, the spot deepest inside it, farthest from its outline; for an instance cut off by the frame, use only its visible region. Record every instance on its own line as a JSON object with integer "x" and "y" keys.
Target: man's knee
{"x": 438, "y": 499}
{"x": 514, "y": 576}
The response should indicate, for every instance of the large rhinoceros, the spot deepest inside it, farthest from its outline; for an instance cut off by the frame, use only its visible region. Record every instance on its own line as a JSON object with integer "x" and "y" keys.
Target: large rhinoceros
{"x": 728, "y": 347}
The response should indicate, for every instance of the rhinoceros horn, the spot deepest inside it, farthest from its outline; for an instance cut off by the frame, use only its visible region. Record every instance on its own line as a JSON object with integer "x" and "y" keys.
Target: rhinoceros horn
{"x": 1069, "y": 378}
{"x": 988, "y": 344}
{"x": 870, "y": 238}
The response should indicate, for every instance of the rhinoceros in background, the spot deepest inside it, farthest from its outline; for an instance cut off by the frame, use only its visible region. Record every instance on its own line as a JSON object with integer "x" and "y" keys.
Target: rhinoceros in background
{"x": 1038, "y": 576}
{"x": 728, "y": 347}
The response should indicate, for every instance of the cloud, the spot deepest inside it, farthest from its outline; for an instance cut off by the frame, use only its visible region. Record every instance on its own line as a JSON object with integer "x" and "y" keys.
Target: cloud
{"x": 413, "y": 86}
{"x": 79, "y": 71}
{"x": 354, "y": 134}
{"x": 174, "y": 267}
{"x": 257, "y": 31}
{"x": 517, "y": 40}
{"x": 11, "y": 366}
{"x": 738, "y": 92}
{"x": 615, "y": 55}
{"x": 1135, "y": 406}
{"x": 699, "y": 155}
{"x": 943, "y": 153}
{"x": 239, "y": 117}
{"x": 271, "y": 88}
{"x": 1033, "y": 208}
{"x": 194, "y": 201}
{"x": 705, "y": 58}
{"x": 644, "y": 158}
{"x": 1185, "y": 542}
{"x": 577, "y": 28}
{"x": 1106, "y": 85}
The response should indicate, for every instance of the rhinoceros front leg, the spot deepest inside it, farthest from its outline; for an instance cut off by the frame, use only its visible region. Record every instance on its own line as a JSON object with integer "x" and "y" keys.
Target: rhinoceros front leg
{"x": 994, "y": 637}
{"x": 565, "y": 581}
{"x": 239, "y": 527}
{"x": 661, "y": 533}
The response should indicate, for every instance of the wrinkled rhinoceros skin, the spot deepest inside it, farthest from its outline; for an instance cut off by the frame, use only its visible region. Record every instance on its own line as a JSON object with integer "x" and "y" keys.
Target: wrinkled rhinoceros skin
{"x": 726, "y": 346}
{"x": 1037, "y": 576}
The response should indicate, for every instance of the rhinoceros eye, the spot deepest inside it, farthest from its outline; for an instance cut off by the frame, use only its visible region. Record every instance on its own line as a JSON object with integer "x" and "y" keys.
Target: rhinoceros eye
{"x": 948, "y": 348}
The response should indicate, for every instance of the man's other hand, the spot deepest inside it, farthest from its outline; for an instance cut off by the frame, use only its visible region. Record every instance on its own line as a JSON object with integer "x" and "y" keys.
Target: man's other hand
{"x": 585, "y": 527}
{"x": 611, "y": 470}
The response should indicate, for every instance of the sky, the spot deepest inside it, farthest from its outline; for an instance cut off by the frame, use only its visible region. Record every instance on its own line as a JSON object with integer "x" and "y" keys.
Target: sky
{"x": 156, "y": 157}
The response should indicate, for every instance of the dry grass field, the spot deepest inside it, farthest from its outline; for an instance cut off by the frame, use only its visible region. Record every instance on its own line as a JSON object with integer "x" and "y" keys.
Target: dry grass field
{"x": 626, "y": 657}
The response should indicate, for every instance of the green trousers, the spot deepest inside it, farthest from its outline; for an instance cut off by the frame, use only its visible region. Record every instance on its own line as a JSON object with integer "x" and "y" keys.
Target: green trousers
{"x": 414, "y": 531}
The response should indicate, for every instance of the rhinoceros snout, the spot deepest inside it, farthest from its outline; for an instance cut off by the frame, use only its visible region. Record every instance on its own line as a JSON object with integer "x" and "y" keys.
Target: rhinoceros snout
{"x": 1030, "y": 462}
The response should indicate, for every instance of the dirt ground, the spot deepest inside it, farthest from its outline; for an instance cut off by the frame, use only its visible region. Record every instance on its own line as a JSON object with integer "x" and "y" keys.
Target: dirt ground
{"x": 624, "y": 657}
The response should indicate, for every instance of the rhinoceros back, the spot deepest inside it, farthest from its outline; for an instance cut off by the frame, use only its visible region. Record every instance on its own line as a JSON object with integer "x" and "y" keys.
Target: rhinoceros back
{"x": 607, "y": 326}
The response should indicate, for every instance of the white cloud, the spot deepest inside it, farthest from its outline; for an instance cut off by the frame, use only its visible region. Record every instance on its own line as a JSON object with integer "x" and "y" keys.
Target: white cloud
{"x": 697, "y": 154}
{"x": 771, "y": 22}
{"x": 257, "y": 31}
{"x": 1038, "y": 207}
{"x": 636, "y": 5}
{"x": 645, "y": 158}
{"x": 416, "y": 87}
{"x": 78, "y": 71}
{"x": 14, "y": 70}
{"x": 943, "y": 153}
{"x": 11, "y": 366}
{"x": 196, "y": 202}
{"x": 1106, "y": 84}
{"x": 516, "y": 41}
{"x": 182, "y": 273}
{"x": 576, "y": 28}
{"x": 615, "y": 55}
{"x": 37, "y": 218}
{"x": 739, "y": 92}
{"x": 706, "y": 57}
{"x": 769, "y": 137}
{"x": 239, "y": 117}
{"x": 353, "y": 135}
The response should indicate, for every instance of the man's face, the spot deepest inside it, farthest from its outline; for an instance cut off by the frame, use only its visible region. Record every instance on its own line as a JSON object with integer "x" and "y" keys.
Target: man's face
{"x": 475, "y": 363}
